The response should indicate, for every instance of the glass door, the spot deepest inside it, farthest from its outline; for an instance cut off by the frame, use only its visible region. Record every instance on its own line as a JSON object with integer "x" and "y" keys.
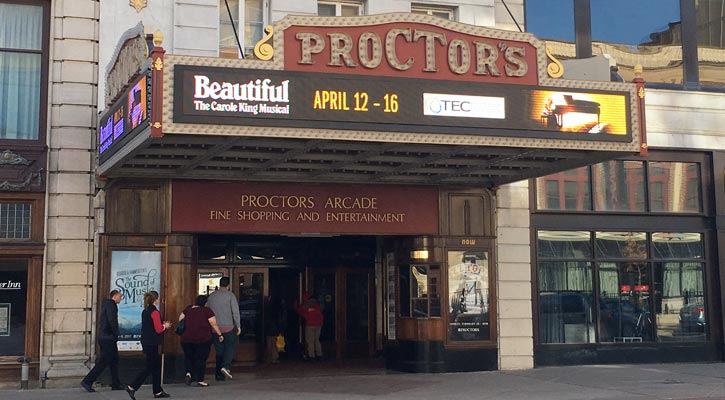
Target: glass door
{"x": 250, "y": 287}
{"x": 345, "y": 297}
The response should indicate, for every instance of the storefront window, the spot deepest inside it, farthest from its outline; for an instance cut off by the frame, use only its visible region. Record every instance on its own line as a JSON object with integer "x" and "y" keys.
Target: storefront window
{"x": 566, "y": 301}
{"x": 631, "y": 245}
{"x": 674, "y": 187}
{"x": 635, "y": 292}
{"x": 618, "y": 186}
{"x": 13, "y": 298}
{"x": 624, "y": 302}
{"x": 679, "y": 287}
{"x": 576, "y": 195}
{"x": 564, "y": 244}
{"x": 468, "y": 296}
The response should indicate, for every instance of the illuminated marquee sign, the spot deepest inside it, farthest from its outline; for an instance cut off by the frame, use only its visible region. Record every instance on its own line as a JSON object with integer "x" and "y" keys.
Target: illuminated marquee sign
{"x": 411, "y": 49}
{"x": 211, "y": 95}
{"x": 128, "y": 116}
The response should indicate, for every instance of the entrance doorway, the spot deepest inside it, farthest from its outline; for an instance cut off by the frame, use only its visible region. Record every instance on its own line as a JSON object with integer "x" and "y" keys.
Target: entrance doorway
{"x": 345, "y": 295}
{"x": 342, "y": 281}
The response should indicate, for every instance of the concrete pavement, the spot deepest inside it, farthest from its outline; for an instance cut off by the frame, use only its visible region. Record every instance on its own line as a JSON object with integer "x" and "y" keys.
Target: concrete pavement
{"x": 603, "y": 382}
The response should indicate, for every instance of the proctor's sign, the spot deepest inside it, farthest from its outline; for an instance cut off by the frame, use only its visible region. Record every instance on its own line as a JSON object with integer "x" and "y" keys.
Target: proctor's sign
{"x": 295, "y": 208}
{"x": 412, "y": 50}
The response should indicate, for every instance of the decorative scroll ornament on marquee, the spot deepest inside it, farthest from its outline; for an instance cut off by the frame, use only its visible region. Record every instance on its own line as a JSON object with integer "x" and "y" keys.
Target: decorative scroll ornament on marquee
{"x": 263, "y": 50}
{"x": 554, "y": 69}
{"x": 138, "y": 5}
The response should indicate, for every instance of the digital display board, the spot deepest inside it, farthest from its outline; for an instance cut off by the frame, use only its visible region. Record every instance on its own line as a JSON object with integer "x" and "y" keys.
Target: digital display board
{"x": 212, "y": 95}
{"x": 128, "y": 116}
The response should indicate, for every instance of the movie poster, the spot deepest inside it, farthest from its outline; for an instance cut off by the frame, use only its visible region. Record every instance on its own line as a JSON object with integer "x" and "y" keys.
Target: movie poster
{"x": 468, "y": 296}
{"x": 133, "y": 273}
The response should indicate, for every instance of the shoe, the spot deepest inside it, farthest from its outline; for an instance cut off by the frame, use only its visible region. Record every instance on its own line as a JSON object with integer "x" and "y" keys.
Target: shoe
{"x": 117, "y": 387}
{"x": 187, "y": 379}
{"x": 227, "y": 373}
{"x": 202, "y": 384}
{"x": 131, "y": 392}
{"x": 88, "y": 387}
{"x": 161, "y": 395}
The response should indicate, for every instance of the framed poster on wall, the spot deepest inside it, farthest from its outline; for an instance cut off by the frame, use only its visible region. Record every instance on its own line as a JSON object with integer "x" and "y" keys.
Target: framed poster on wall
{"x": 133, "y": 273}
{"x": 468, "y": 296}
{"x": 5, "y": 319}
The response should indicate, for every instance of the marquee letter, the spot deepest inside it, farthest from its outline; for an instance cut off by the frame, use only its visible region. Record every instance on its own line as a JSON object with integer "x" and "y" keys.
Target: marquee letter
{"x": 430, "y": 49}
{"x": 367, "y": 60}
{"x": 337, "y": 52}
{"x": 390, "y": 48}
{"x": 307, "y": 48}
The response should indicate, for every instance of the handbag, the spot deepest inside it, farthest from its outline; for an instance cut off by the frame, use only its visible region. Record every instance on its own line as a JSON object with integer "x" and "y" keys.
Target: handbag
{"x": 180, "y": 327}
{"x": 279, "y": 343}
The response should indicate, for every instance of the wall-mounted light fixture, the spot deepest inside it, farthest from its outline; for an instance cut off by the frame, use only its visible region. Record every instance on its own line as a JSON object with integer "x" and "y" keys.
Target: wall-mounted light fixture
{"x": 419, "y": 254}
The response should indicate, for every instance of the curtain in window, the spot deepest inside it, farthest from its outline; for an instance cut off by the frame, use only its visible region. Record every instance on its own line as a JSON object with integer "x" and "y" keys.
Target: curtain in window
{"x": 608, "y": 280}
{"x": 671, "y": 281}
{"x": 692, "y": 286}
{"x": 21, "y": 30}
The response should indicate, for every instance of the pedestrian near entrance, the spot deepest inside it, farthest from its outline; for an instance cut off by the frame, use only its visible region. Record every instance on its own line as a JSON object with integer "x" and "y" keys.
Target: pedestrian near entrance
{"x": 152, "y": 332}
{"x": 197, "y": 338}
{"x": 107, "y": 340}
{"x": 311, "y": 312}
{"x": 225, "y": 306}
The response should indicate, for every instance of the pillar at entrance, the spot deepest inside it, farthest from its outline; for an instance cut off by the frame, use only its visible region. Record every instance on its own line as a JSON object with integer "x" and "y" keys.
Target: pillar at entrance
{"x": 516, "y": 341}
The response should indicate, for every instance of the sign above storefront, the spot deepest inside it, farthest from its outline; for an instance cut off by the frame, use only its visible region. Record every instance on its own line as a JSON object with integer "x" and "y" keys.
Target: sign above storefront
{"x": 413, "y": 50}
{"x": 303, "y": 209}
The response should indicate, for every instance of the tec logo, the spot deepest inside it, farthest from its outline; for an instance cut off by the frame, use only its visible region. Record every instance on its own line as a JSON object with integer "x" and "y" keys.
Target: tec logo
{"x": 438, "y": 105}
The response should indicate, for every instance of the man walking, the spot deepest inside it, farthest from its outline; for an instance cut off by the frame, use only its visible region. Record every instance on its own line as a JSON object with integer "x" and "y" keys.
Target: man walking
{"x": 107, "y": 337}
{"x": 226, "y": 309}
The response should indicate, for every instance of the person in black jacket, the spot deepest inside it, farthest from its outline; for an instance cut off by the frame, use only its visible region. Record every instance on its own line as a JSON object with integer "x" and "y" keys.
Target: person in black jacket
{"x": 152, "y": 332}
{"x": 107, "y": 337}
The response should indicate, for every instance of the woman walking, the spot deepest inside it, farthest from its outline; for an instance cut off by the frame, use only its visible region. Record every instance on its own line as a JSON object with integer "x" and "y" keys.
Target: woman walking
{"x": 152, "y": 331}
{"x": 196, "y": 339}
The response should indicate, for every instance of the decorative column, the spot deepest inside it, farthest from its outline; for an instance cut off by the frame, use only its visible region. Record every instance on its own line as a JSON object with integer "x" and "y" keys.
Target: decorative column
{"x": 513, "y": 249}
{"x": 68, "y": 271}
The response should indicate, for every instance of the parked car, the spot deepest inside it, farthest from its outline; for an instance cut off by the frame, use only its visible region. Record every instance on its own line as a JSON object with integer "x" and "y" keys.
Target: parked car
{"x": 692, "y": 318}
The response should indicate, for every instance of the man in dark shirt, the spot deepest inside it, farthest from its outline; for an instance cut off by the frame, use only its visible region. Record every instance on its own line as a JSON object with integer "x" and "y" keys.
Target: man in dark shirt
{"x": 107, "y": 337}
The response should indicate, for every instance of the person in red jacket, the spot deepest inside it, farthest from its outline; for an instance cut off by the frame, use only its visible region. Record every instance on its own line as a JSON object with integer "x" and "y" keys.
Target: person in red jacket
{"x": 311, "y": 312}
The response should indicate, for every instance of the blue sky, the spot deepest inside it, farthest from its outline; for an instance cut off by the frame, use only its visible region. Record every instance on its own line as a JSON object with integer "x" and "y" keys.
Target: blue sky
{"x": 617, "y": 21}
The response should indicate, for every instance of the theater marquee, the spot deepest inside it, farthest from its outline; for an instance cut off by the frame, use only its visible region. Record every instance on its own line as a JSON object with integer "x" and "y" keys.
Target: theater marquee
{"x": 399, "y": 77}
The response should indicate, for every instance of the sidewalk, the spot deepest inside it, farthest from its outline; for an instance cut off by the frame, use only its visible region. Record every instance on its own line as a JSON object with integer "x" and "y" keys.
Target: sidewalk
{"x": 610, "y": 382}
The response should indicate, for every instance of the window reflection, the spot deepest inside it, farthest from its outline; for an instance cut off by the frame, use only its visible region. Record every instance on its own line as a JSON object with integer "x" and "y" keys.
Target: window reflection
{"x": 576, "y": 195}
{"x": 709, "y": 15}
{"x": 624, "y": 302}
{"x": 677, "y": 245}
{"x": 680, "y": 301}
{"x": 560, "y": 244}
{"x": 647, "y": 33}
{"x": 618, "y": 186}
{"x": 621, "y": 245}
{"x": 566, "y": 301}
{"x": 674, "y": 187}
